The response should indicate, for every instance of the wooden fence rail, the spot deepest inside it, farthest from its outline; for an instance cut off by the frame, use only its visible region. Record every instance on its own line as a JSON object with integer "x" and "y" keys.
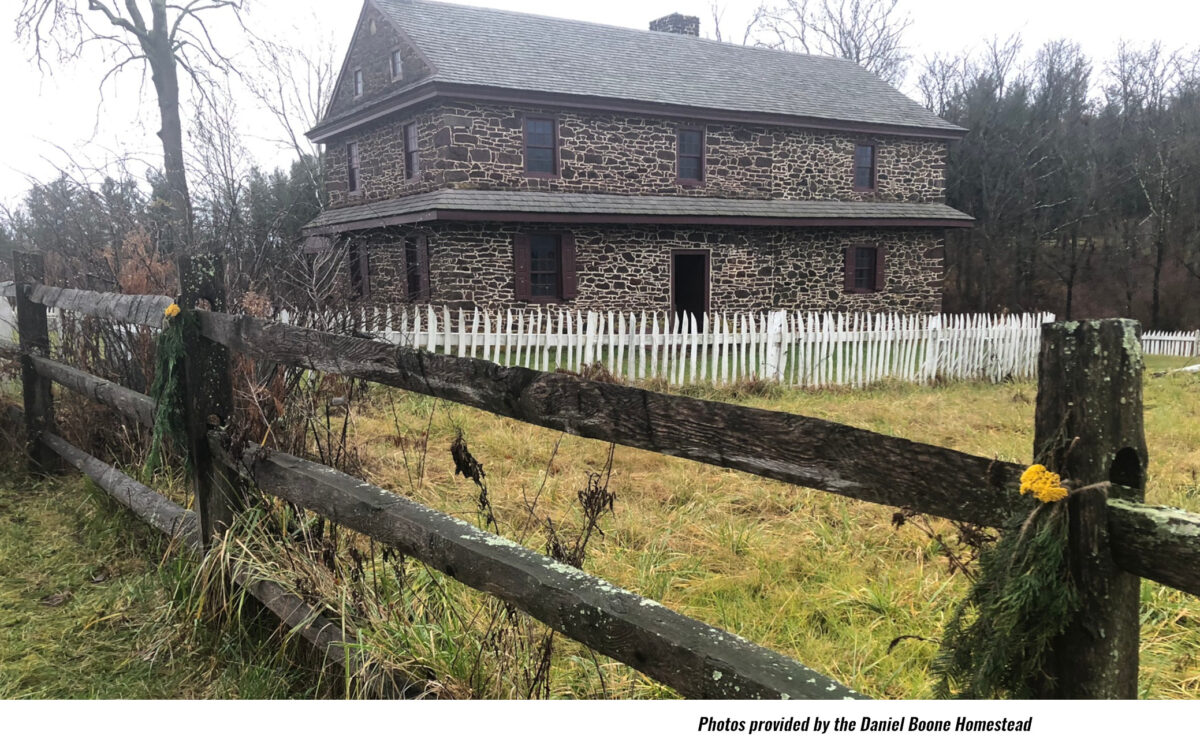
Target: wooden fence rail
{"x": 1112, "y": 535}
{"x": 801, "y": 450}
{"x": 698, "y": 660}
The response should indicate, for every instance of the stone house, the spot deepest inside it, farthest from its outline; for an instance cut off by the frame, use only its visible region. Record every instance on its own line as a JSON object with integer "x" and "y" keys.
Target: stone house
{"x": 486, "y": 158}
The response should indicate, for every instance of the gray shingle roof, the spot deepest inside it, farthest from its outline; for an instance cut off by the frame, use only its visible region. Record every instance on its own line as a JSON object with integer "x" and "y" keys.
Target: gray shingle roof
{"x": 482, "y": 46}
{"x": 410, "y": 208}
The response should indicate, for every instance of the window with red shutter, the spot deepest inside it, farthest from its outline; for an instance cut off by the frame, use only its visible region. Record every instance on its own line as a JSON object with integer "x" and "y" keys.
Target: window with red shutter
{"x": 416, "y": 268}
{"x": 864, "y": 269}
{"x": 359, "y": 268}
{"x": 545, "y": 268}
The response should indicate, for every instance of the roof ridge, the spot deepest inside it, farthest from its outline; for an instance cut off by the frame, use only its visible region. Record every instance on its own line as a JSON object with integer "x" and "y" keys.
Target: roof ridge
{"x": 675, "y": 38}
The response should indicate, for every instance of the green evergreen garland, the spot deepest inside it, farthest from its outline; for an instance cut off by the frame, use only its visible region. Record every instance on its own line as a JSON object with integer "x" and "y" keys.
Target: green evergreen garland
{"x": 996, "y": 642}
{"x": 170, "y": 423}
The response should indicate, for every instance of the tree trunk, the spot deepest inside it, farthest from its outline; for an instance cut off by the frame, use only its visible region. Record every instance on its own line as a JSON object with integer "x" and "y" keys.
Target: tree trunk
{"x": 165, "y": 74}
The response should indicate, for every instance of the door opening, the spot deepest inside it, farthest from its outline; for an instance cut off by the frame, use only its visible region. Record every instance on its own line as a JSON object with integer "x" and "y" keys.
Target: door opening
{"x": 689, "y": 283}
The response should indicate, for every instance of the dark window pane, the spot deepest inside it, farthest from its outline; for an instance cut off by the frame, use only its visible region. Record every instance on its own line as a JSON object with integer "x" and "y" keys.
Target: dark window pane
{"x": 412, "y": 268}
{"x": 689, "y": 143}
{"x": 544, "y": 265}
{"x": 540, "y": 160}
{"x": 410, "y": 150}
{"x": 352, "y": 167}
{"x": 864, "y": 268}
{"x": 397, "y": 65}
{"x": 357, "y": 259}
{"x": 690, "y": 168}
{"x": 358, "y": 83}
{"x": 539, "y": 132}
{"x": 539, "y": 146}
{"x": 864, "y": 166}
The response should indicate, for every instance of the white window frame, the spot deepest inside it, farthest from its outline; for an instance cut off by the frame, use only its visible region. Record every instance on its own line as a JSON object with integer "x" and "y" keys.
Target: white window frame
{"x": 396, "y": 62}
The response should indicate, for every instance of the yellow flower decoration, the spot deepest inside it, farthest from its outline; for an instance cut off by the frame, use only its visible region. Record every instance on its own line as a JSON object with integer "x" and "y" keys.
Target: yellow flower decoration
{"x": 1043, "y": 484}
{"x": 171, "y": 311}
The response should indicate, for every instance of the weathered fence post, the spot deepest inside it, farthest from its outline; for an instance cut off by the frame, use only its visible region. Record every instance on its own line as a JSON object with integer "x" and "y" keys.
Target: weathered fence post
{"x": 209, "y": 396}
{"x": 1088, "y": 427}
{"x": 33, "y": 331}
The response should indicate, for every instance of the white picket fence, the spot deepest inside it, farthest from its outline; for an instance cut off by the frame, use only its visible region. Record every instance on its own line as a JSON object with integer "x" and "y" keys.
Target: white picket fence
{"x": 8, "y": 321}
{"x": 793, "y": 348}
{"x": 1178, "y": 344}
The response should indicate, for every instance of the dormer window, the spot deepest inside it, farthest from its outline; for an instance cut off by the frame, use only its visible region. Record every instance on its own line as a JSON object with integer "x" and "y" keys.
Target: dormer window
{"x": 864, "y": 167}
{"x": 358, "y": 83}
{"x": 397, "y": 65}
{"x": 689, "y": 149}
{"x": 541, "y": 147}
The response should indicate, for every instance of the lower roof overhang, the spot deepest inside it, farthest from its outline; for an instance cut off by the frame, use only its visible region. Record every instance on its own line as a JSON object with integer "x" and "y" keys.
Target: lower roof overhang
{"x": 588, "y": 208}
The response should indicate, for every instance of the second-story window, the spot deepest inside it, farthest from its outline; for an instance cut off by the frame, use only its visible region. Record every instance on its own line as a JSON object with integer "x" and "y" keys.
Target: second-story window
{"x": 690, "y": 154}
{"x": 358, "y": 83}
{"x": 352, "y": 167}
{"x": 352, "y": 175}
{"x": 411, "y": 164}
{"x": 541, "y": 146}
{"x": 397, "y": 65}
{"x": 864, "y": 167}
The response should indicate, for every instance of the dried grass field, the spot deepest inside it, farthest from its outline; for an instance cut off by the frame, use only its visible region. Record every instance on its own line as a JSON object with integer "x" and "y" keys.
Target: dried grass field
{"x": 832, "y": 582}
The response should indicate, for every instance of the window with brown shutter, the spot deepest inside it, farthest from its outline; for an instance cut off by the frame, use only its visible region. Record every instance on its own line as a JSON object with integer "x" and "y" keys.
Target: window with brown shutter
{"x": 864, "y": 269}
{"x": 544, "y": 267}
{"x": 416, "y": 268}
{"x": 359, "y": 267}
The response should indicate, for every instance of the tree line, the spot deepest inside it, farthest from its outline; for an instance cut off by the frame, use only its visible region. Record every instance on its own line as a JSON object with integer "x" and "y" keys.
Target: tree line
{"x": 1084, "y": 180}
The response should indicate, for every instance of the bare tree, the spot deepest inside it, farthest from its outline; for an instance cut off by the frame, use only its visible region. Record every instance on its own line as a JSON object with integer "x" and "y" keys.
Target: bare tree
{"x": 295, "y": 86}
{"x": 168, "y": 37}
{"x": 757, "y": 18}
{"x": 869, "y": 32}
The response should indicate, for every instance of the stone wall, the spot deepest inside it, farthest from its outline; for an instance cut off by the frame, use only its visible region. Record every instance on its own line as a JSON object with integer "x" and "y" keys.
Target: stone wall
{"x": 481, "y": 147}
{"x": 371, "y": 51}
{"x": 629, "y": 268}
{"x": 381, "y": 161}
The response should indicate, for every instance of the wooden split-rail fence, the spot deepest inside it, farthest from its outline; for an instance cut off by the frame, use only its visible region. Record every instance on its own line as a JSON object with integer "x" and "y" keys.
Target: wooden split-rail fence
{"x": 1088, "y": 425}
{"x": 803, "y": 349}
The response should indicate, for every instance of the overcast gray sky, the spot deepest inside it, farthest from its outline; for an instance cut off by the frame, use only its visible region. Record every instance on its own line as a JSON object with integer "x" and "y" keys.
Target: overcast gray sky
{"x": 59, "y": 115}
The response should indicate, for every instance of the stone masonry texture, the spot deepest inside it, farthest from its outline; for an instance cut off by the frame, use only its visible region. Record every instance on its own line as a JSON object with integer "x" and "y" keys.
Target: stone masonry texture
{"x": 629, "y": 268}
{"x": 482, "y": 147}
{"x": 371, "y": 52}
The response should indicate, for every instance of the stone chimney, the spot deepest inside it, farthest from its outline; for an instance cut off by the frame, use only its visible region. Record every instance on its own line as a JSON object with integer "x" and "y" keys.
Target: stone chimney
{"x": 677, "y": 23}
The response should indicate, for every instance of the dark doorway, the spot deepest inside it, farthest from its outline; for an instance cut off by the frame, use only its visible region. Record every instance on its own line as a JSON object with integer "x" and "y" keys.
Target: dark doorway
{"x": 689, "y": 282}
